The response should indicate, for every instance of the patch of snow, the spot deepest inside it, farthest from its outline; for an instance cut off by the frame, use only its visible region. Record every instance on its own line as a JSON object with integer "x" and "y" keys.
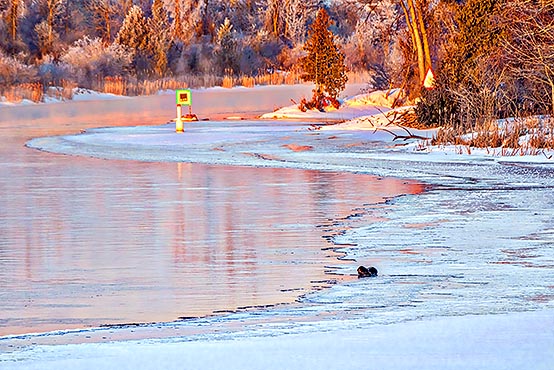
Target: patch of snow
{"x": 512, "y": 341}
{"x": 378, "y": 98}
{"x": 370, "y": 104}
{"x": 81, "y": 94}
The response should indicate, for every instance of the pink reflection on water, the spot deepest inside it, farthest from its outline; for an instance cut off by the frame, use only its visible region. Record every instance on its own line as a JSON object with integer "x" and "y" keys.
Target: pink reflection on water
{"x": 85, "y": 242}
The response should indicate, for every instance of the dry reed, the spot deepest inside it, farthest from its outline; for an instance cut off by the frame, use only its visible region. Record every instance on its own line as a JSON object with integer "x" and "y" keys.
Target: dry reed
{"x": 29, "y": 91}
{"x": 527, "y": 136}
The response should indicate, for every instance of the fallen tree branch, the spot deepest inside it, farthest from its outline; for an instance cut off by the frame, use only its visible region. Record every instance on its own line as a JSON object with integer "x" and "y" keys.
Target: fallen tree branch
{"x": 396, "y": 136}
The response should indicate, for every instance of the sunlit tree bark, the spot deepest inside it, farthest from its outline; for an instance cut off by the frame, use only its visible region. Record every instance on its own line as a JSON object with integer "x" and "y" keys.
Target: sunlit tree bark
{"x": 14, "y": 11}
{"x": 414, "y": 15}
{"x": 415, "y": 12}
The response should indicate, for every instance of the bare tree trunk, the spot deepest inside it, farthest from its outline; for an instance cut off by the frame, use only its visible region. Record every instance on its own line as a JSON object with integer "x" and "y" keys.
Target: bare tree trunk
{"x": 15, "y": 11}
{"x": 424, "y": 36}
{"x": 551, "y": 81}
{"x": 108, "y": 32}
{"x": 410, "y": 12}
{"x": 14, "y": 14}
{"x": 50, "y": 20}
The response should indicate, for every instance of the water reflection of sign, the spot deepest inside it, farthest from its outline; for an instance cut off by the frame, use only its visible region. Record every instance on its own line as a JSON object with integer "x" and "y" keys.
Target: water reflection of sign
{"x": 184, "y": 97}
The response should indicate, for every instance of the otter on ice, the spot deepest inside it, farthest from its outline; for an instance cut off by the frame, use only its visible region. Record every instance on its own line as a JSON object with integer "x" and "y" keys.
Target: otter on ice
{"x": 366, "y": 272}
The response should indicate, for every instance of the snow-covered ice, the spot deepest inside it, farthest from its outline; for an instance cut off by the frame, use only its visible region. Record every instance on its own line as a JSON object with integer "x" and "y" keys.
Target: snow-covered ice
{"x": 465, "y": 268}
{"x": 511, "y": 341}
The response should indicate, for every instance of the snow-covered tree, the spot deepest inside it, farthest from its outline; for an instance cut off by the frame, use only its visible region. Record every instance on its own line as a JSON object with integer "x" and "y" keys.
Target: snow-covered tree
{"x": 174, "y": 7}
{"x": 271, "y": 11}
{"x": 12, "y": 71}
{"x": 186, "y": 17}
{"x": 374, "y": 42}
{"x": 324, "y": 63}
{"x": 415, "y": 14}
{"x": 134, "y": 31}
{"x": 52, "y": 13}
{"x": 296, "y": 17}
{"x": 134, "y": 34}
{"x": 105, "y": 15}
{"x": 227, "y": 47}
{"x": 89, "y": 59}
{"x": 158, "y": 26}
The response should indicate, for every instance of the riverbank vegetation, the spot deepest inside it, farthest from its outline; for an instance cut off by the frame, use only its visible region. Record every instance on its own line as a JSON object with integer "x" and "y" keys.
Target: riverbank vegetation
{"x": 141, "y": 46}
{"x": 494, "y": 75}
{"x": 492, "y": 59}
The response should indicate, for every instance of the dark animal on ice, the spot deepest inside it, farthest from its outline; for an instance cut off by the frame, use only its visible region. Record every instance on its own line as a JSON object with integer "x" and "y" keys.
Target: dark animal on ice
{"x": 366, "y": 272}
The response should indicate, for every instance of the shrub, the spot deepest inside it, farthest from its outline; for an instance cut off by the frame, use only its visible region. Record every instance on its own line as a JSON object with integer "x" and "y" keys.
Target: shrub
{"x": 89, "y": 60}
{"x": 12, "y": 71}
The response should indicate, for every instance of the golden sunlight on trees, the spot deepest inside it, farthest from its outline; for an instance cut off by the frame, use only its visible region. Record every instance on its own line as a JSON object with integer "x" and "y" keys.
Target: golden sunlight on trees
{"x": 14, "y": 10}
{"x": 417, "y": 16}
{"x": 529, "y": 42}
{"x": 415, "y": 12}
{"x": 467, "y": 87}
{"x": 324, "y": 63}
{"x": 53, "y": 12}
{"x": 135, "y": 36}
{"x": 491, "y": 58}
{"x": 497, "y": 62}
{"x": 104, "y": 14}
{"x": 160, "y": 38}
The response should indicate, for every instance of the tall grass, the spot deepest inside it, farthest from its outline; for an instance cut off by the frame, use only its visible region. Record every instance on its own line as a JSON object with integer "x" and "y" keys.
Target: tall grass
{"x": 131, "y": 86}
{"x": 520, "y": 136}
{"x": 28, "y": 91}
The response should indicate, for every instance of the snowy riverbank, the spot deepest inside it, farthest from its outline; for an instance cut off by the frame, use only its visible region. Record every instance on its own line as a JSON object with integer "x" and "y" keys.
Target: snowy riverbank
{"x": 511, "y": 341}
{"x": 466, "y": 268}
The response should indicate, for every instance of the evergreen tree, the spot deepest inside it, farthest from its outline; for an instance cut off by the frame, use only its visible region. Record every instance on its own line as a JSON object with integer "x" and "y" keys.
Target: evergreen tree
{"x": 134, "y": 35}
{"x": 104, "y": 15}
{"x": 158, "y": 26}
{"x": 178, "y": 31}
{"x": 134, "y": 30}
{"x": 467, "y": 80}
{"x": 477, "y": 35}
{"x": 324, "y": 64}
{"x": 227, "y": 47}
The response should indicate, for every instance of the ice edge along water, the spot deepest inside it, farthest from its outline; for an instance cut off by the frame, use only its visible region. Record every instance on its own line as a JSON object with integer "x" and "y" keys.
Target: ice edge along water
{"x": 433, "y": 275}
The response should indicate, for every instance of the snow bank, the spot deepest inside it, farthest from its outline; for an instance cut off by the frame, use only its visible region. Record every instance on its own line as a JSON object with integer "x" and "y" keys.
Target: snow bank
{"x": 369, "y": 104}
{"x": 378, "y": 98}
{"x": 54, "y": 95}
{"x": 512, "y": 341}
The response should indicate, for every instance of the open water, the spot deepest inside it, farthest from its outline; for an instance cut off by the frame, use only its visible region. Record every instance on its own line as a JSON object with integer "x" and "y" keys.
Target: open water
{"x": 87, "y": 242}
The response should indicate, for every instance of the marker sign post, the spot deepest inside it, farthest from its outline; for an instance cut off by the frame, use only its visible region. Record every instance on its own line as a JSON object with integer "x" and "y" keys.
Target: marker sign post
{"x": 182, "y": 97}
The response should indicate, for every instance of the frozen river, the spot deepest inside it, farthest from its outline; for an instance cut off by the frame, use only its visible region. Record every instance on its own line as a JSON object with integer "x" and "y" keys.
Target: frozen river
{"x": 86, "y": 242}
{"x": 151, "y": 227}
